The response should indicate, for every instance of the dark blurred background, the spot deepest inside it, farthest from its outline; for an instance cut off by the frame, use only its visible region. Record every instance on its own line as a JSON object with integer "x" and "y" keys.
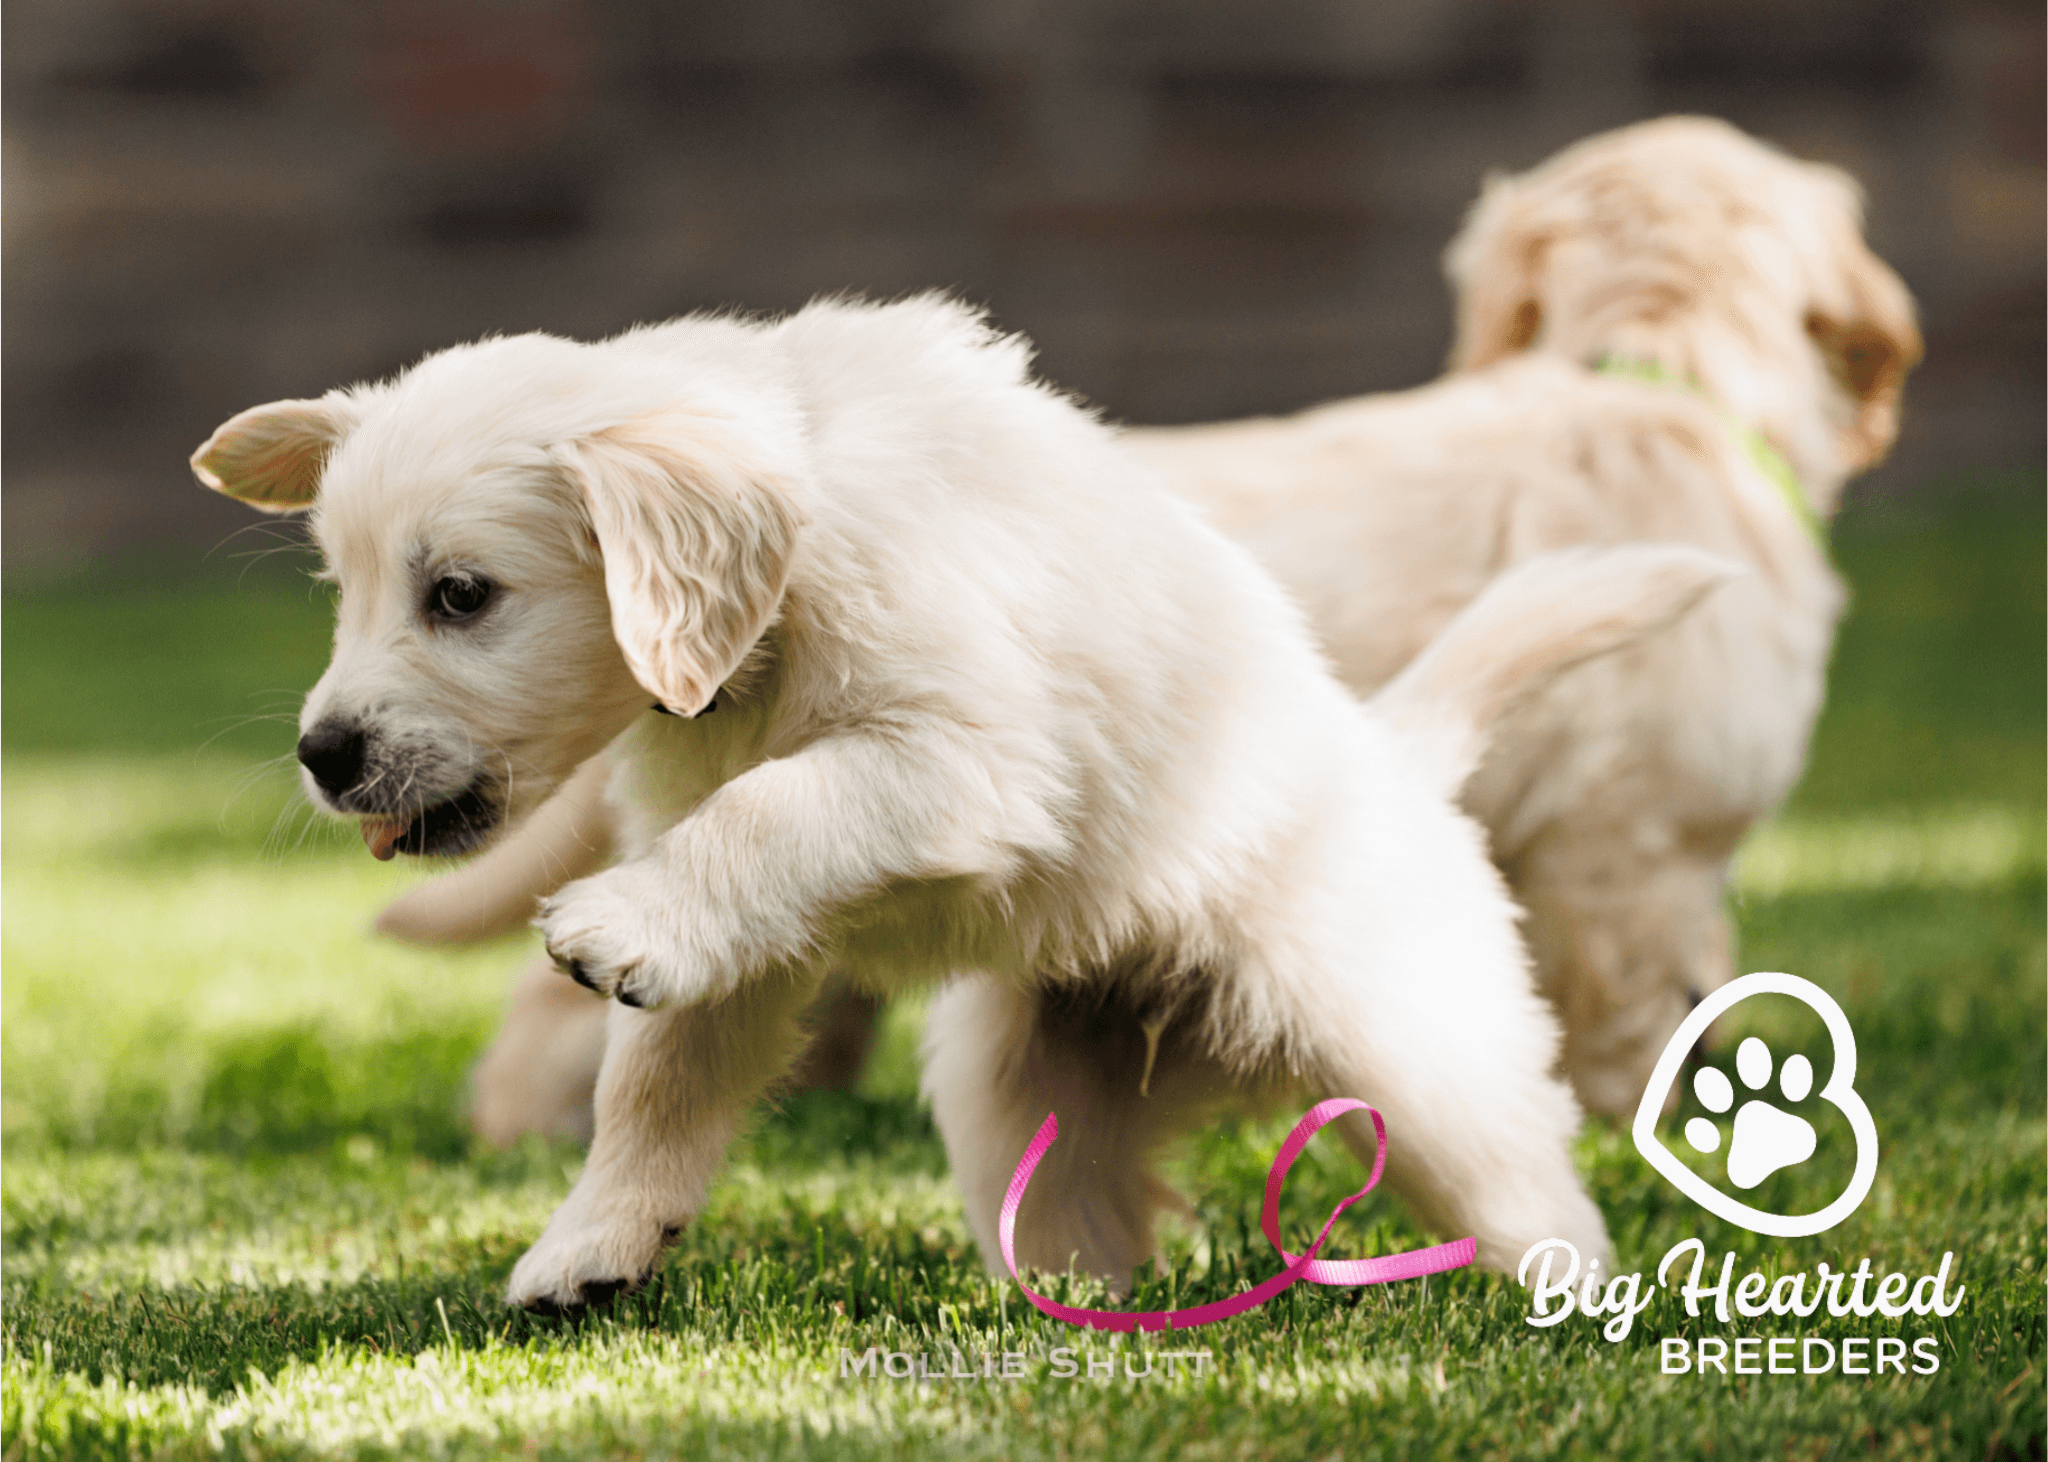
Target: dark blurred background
{"x": 1197, "y": 209}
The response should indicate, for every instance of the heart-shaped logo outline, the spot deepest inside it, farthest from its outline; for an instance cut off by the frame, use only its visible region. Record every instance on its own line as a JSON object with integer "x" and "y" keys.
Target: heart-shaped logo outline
{"x": 1840, "y": 1091}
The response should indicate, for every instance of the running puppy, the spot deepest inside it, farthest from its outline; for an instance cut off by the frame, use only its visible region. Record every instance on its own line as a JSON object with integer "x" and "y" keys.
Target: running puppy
{"x": 988, "y": 699}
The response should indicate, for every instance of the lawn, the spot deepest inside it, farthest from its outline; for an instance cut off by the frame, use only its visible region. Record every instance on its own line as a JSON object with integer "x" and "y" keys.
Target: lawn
{"x": 242, "y": 1215}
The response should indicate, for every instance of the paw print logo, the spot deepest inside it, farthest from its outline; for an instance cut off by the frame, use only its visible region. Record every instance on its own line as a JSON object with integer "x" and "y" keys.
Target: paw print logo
{"x": 1765, "y": 1137}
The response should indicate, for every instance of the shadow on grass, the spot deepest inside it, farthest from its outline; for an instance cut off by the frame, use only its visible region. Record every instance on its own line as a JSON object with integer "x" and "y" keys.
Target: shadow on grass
{"x": 297, "y": 1090}
{"x": 721, "y": 1280}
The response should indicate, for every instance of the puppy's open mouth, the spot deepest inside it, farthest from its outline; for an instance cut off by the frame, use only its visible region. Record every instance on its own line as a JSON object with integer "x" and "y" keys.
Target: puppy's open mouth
{"x": 446, "y": 829}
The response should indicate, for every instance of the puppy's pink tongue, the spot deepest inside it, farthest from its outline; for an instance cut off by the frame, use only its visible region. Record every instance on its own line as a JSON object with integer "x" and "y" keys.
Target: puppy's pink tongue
{"x": 382, "y": 838}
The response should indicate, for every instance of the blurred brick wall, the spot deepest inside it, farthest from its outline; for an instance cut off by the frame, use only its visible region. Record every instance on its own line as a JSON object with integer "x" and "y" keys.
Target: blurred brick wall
{"x": 1197, "y": 209}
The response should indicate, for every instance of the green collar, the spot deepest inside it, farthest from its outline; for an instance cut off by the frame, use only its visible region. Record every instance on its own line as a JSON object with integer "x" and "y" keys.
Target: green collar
{"x": 1766, "y": 458}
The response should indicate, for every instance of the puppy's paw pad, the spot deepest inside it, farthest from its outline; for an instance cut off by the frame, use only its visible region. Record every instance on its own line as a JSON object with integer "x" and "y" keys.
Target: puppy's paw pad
{"x": 596, "y": 936}
{"x": 624, "y": 986}
{"x": 590, "y": 1254}
{"x": 593, "y": 1295}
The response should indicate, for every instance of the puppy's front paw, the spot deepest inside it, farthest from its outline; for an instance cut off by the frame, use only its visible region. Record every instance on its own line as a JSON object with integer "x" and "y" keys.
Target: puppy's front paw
{"x": 585, "y": 1259}
{"x": 600, "y": 933}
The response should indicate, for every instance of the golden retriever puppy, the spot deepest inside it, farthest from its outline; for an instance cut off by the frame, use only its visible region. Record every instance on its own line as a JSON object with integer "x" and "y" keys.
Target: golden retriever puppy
{"x": 1667, "y": 333}
{"x": 987, "y": 699}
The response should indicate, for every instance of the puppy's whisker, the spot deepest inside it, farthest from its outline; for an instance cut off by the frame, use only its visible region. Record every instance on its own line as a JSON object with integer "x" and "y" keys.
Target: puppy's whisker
{"x": 274, "y": 849}
{"x": 250, "y": 776}
{"x": 252, "y": 559}
{"x": 236, "y": 723}
{"x": 263, "y": 528}
{"x": 312, "y": 823}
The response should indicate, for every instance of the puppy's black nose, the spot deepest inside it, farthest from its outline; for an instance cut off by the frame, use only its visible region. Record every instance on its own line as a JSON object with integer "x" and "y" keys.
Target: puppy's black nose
{"x": 333, "y": 752}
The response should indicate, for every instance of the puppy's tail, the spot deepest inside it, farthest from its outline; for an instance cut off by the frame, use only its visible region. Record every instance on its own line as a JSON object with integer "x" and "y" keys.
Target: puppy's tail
{"x": 566, "y": 837}
{"x": 1538, "y": 619}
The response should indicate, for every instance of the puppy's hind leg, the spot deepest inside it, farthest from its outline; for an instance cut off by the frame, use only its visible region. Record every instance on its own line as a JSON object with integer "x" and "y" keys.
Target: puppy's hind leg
{"x": 997, "y": 1059}
{"x": 541, "y": 1070}
{"x": 674, "y": 1088}
{"x": 1478, "y": 1135}
{"x": 1416, "y": 998}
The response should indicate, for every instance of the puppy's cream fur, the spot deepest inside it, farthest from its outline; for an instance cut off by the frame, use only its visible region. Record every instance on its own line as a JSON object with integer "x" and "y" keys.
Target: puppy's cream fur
{"x": 1616, "y": 797}
{"x": 989, "y": 700}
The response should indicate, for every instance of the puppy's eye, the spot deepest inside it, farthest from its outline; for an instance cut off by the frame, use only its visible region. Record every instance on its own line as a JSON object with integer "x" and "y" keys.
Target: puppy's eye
{"x": 458, "y": 597}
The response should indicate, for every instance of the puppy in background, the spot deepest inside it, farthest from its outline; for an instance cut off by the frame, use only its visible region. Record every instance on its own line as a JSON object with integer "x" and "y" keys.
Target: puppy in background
{"x": 1670, "y": 332}
{"x": 1667, "y": 333}
{"x": 990, "y": 705}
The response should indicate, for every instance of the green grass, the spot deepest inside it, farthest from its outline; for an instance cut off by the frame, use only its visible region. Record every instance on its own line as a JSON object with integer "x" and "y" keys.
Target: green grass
{"x": 242, "y": 1216}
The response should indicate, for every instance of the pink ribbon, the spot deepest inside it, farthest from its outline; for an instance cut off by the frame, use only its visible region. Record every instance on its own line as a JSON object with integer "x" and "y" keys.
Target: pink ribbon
{"x": 1411, "y": 1264}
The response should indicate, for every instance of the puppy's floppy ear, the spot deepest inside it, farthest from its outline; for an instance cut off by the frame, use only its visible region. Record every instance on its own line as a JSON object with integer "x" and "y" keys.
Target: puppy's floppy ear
{"x": 696, "y": 532}
{"x": 1492, "y": 266}
{"x": 1870, "y": 340}
{"x": 270, "y": 457}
